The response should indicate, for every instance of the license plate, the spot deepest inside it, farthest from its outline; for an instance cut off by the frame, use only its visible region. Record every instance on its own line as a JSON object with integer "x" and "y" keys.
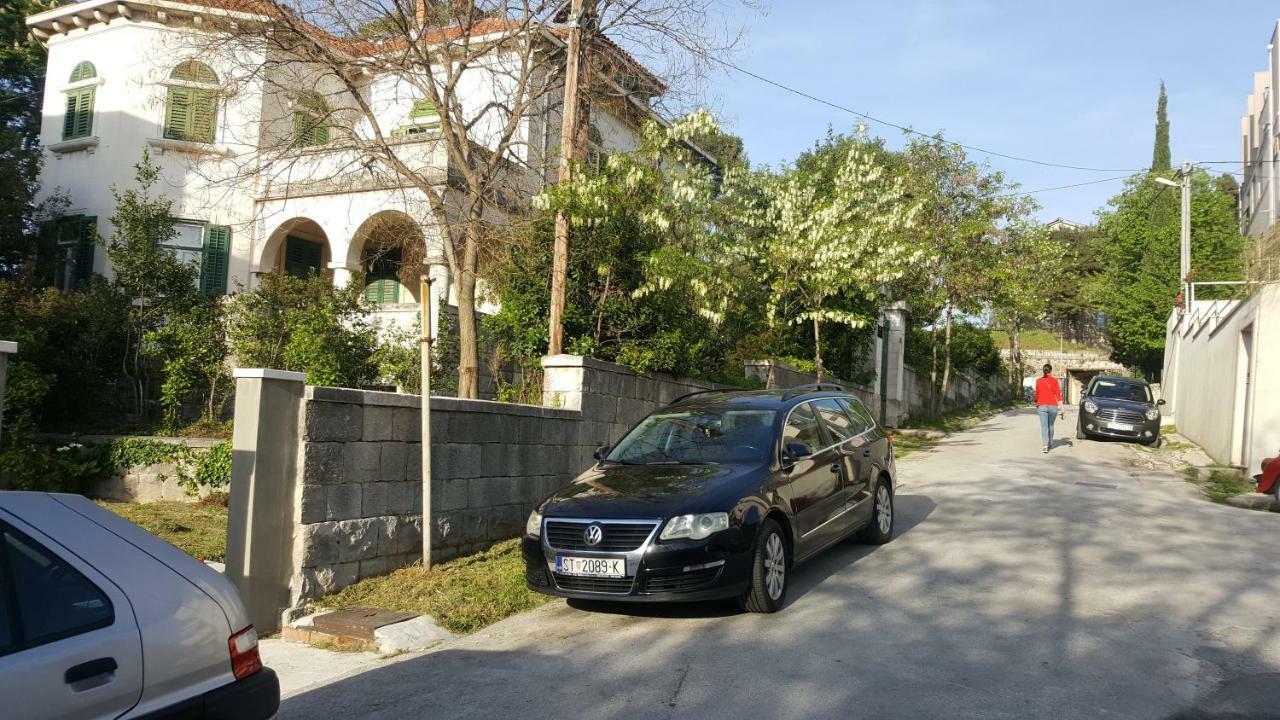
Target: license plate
{"x": 1126, "y": 427}
{"x": 591, "y": 567}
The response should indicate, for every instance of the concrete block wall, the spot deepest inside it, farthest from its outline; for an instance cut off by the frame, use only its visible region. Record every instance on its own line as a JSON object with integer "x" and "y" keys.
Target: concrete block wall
{"x": 359, "y": 481}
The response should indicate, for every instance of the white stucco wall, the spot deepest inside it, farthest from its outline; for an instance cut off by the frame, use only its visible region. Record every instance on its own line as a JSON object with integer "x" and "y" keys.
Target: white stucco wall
{"x": 1206, "y": 365}
{"x": 133, "y": 60}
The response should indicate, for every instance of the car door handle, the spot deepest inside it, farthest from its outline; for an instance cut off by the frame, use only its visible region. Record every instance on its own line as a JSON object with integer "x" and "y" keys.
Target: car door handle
{"x": 93, "y": 668}
{"x": 837, "y": 468}
{"x": 866, "y": 453}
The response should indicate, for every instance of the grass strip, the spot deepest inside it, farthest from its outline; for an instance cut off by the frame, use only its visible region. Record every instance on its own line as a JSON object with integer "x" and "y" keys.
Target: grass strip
{"x": 198, "y": 529}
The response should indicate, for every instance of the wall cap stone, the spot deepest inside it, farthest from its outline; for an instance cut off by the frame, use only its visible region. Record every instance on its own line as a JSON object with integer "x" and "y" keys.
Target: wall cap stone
{"x": 438, "y": 404}
{"x": 269, "y": 374}
{"x": 8, "y": 347}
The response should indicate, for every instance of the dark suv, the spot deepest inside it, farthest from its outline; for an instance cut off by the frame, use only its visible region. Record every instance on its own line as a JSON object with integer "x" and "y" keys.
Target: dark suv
{"x": 717, "y": 495}
{"x": 1119, "y": 407}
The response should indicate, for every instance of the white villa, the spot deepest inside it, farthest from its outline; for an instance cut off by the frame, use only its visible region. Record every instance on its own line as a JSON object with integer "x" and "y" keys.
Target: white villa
{"x": 129, "y": 75}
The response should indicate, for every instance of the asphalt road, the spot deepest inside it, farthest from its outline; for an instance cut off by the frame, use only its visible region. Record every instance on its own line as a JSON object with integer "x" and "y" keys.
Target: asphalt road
{"x": 1020, "y": 585}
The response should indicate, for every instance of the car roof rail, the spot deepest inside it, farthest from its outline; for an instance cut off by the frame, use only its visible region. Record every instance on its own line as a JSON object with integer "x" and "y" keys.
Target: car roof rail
{"x": 812, "y": 387}
{"x": 703, "y": 392}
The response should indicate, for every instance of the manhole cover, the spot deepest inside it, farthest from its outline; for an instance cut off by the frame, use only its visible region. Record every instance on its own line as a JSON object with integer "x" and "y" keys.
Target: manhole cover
{"x": 359, "y": 622}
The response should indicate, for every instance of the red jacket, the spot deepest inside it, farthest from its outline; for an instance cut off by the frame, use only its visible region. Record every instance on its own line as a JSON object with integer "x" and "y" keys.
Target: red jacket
{"x": 1048, "y": 391}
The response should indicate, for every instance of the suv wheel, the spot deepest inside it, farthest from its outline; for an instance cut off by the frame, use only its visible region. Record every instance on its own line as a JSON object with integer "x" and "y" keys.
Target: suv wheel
{"x": 880, "y": 530}
{"x": 769, "y": 566}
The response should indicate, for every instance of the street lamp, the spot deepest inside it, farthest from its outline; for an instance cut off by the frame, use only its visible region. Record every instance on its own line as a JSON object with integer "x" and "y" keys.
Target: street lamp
{"x": 1184, "y": 176}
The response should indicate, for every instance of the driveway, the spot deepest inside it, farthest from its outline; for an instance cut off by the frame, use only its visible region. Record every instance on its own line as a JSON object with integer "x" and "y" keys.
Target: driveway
{"x": 1020, "y": 586}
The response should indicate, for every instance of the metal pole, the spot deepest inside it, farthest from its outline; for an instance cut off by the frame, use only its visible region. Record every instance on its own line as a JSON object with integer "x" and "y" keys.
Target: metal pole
{"x": 568, "y": 147}
{"x": 1185, "y": 264}
{"x": 424, "y": 343}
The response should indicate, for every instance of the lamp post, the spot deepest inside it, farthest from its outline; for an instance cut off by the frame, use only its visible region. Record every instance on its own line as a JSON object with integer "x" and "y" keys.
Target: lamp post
{"x": 1184, "y": 260}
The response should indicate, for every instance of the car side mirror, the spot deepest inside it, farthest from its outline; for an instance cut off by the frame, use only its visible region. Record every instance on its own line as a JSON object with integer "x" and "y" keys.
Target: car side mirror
{"x": 796, "y": 450}
{"x": 1160, "y": 401}
{"x": 601, "y": 452}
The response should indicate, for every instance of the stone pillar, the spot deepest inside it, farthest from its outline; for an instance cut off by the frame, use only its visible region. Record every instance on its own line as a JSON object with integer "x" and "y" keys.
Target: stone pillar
{"x": 341, "y": 273}
{"x": 263, "y": 509}
{"x": 7, "y": 348}
{"x": 562, "y": 380}
{"x": 894, "y": 318}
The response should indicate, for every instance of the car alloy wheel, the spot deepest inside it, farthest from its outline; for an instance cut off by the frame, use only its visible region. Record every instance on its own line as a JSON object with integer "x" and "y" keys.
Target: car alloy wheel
{"x": 880, "y": 530}
{"x": 775, "y": 567}
{"x": 770, "y": 560}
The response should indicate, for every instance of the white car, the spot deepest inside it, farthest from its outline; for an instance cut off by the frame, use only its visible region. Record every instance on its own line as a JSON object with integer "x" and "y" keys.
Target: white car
{"x": 101, "y": 619}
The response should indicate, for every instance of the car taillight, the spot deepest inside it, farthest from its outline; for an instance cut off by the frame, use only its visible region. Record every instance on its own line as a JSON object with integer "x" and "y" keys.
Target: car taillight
{"x": 244, "y": 653}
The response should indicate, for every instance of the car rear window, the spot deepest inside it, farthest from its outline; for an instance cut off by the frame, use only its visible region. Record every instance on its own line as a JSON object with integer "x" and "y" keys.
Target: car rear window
{"x": 840, "y": 424}
{"x": 47, "y": 598}
{"x": 802, "y": 427}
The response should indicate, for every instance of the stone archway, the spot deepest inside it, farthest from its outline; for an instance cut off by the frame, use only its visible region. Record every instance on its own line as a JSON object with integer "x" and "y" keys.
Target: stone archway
{"x": 389, "y": 249}
{"x": 298, "y": 246}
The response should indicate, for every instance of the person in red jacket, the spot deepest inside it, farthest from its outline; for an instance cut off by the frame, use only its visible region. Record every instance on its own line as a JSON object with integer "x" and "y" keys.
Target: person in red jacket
{"x": 1048, "y": 405}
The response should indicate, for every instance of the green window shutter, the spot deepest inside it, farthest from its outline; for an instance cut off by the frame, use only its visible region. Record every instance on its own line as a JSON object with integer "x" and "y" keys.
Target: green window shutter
{"x": 84, "y": 113}
{"x": 424, "y": 108}
{"x": 382, "y": 290}
{"x": 177, "y": 113}
{"x": 69, "y": 120}
{"x": 194, "y": 71}
{"x": 302, "y": 257}
{"x": 213, "y": 267}
{"x": 85, "y": 242}
{"x": 309, "y": 130}
{"x": 204, "y": 116}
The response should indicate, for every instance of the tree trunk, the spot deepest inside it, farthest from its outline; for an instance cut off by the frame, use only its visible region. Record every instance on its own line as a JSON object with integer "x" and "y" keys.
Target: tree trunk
{"x": 1015, "y": 355}
{"x": 468, "y": 340}
{"x": 946, "y": 367}
{"x": 933, "y": 367}
{"x": 817, "y": 349}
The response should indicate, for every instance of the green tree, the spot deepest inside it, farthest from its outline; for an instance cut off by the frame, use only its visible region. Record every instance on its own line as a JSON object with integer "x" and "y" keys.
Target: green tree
{"x": 1028, "y": 264}
{"x": 159, "y": 286}
{"x": 22, "y": 62}
{"x": 1071, "y": 312}
{"x": 1161, "y": 160}
{"x": 1139, "y": 240}
{"x": 965, "y": 204}
{"x": 305, "y": 325}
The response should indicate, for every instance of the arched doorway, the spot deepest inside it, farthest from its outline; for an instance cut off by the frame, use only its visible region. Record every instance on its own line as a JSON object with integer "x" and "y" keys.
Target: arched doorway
{"x": 297, "y": 247}
{"x": 388, "y": 247}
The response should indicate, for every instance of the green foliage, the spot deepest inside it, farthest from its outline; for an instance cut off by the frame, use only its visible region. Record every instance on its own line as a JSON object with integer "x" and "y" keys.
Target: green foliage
{"x": 25, "y": 465}
{"x": 22, "y": 66}
{"x": 198, "y": 529}
{"x": 1138, "y": 246}
{"x": 399, "y": 358}
{"x": 192, "y": 348}
{"x": 1161, "y": 159}
{"x": 305, "y": 325}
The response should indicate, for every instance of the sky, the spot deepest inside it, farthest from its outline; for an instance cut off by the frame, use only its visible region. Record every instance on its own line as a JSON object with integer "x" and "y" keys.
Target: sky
{"x": 1072, "y": 83}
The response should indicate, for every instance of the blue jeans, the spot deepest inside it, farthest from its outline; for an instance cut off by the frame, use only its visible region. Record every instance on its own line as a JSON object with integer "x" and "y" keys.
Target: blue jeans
{"x": 1048, "y": 413}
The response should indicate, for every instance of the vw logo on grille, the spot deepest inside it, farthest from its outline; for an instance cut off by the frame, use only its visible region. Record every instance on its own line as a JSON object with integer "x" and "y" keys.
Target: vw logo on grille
{"x": 593, "y": 535}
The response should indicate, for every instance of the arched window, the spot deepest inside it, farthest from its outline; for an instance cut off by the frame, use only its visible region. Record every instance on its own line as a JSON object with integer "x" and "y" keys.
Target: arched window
{"x": 423, "y": 118}
{"x": 78, "y": 122}
{"x": 191, "y": 109}
{"x": 382, "y": 282}
{"x": 310, "y": 120}
{"x": 596, "y": 155}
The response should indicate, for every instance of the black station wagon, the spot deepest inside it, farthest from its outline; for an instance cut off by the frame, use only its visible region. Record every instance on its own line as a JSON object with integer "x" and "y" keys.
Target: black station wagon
{"x": 717, "y": 495}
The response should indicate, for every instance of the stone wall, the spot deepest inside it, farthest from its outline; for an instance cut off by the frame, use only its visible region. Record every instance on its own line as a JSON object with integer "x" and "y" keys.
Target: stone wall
{"x": 359, "y": 482}
{"x": 149, "y": 483}
{"x": 964, "y": 389}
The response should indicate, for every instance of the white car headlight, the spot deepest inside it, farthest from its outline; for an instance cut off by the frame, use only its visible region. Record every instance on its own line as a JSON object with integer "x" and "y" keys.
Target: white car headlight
{"x": 533, "y": 527}
{"x": 695, "y": 527}
{"x": 1090, "y": 406}
{"x": 1153, "y": 414}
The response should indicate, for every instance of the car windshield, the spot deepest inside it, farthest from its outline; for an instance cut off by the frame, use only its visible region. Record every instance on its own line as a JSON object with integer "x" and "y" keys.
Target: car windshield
{"x": 1121, "y": 391}
{"x": 696, "y": 437}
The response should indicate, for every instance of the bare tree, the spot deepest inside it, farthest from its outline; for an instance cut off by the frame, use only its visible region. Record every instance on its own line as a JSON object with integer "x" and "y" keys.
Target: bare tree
{"x": 453, "y": 105}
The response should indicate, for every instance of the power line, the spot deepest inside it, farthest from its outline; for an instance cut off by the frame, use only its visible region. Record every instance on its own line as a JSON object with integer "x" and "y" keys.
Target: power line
{"x": 1065, "y": 187}
{"x": 904, "y": 128}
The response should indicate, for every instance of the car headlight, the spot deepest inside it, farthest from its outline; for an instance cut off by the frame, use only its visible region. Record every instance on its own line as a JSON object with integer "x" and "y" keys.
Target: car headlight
{"x": 1153, "y": 414}
{"x": 1090, "y": 406}
{"x": 533, "y": 527}
{"x": 695, "y": 527}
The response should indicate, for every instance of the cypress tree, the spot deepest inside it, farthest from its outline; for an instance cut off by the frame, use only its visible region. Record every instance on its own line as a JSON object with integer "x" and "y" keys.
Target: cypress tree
{"x": 1161, "y": 159}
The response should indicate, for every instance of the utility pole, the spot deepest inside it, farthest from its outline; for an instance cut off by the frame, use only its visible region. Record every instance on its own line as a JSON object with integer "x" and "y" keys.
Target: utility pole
{"x": 424, "y": 343}
{"x": 1185, "y": 265}
{"x": 568, "y": 153}
{"x": 1184, "y": 256}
